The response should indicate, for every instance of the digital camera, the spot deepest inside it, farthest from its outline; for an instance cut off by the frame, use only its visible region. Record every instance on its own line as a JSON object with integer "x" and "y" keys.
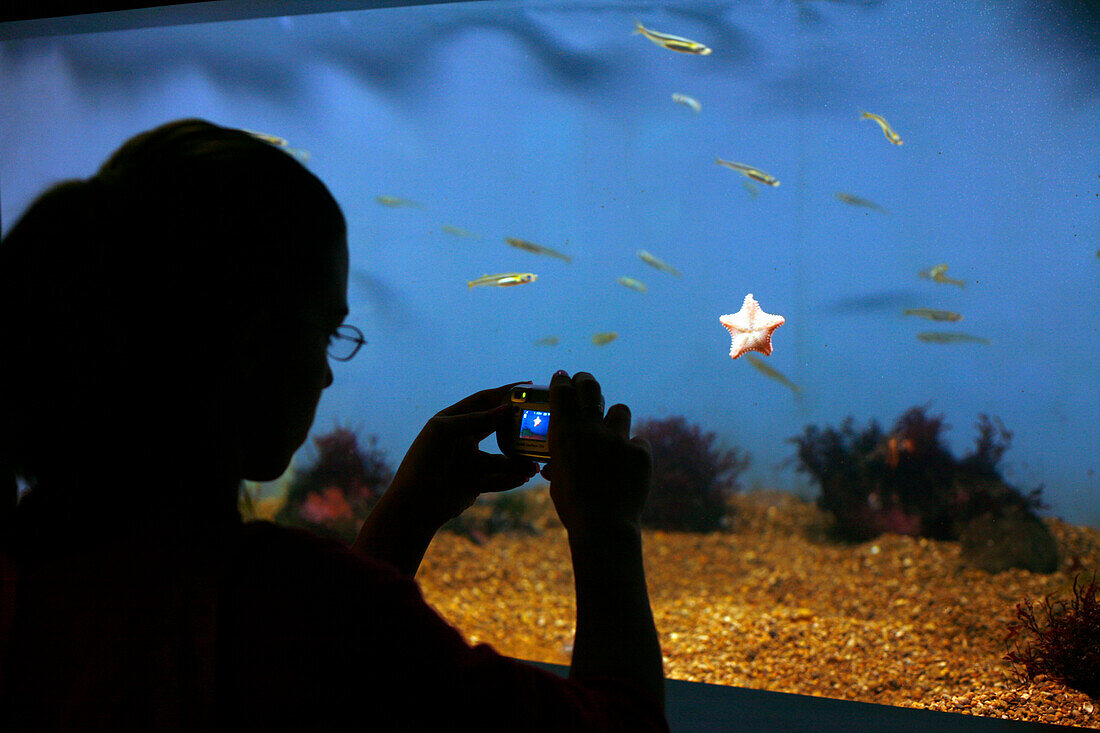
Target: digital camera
{"x": 528, "y": 432}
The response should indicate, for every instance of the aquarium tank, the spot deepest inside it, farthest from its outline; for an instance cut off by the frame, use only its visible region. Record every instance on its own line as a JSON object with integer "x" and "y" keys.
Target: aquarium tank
{"x": 840, "y": 258}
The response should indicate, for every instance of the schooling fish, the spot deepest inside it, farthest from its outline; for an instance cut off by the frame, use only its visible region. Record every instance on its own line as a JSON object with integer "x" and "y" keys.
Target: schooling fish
{"x": 456, "y": 232}
{"x": 771, "y": 372}
{"x": 938, "y": 273}
{"x": 672, "y": 43}
{"x": 633, "y": 284}
{"x": 504, "y": 279}
{"x": 932, "y": 314}
{"x": 279, "y": 142}
{"x": 687, "y": 101}
{"x": 547, "y": 341}
{"x": 394, "y": 203}
{"x": 939, "y": 337}
{"x": 886, "y": 129}
{"x": 605, "y": 337}
{"x": 753, "y": 173}
{"x": 852, "y": 200}
{"x": 661, "y": 265}
{"x": 536, "y": 248}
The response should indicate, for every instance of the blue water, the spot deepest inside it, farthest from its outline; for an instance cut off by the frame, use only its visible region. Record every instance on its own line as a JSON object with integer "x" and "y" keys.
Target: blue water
{"x": 552, "y": 122}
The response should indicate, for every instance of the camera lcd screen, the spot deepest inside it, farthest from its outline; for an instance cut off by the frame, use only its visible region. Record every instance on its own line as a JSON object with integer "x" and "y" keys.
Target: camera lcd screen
{"x": 534, "y": 424}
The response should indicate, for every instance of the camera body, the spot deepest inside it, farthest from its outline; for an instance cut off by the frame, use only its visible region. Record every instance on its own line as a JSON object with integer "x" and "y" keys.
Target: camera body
{"x": 528, "y": 432}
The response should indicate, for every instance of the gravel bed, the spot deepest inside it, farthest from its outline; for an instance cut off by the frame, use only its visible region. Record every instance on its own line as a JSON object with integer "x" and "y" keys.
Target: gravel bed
{"x": 772, "y": 604}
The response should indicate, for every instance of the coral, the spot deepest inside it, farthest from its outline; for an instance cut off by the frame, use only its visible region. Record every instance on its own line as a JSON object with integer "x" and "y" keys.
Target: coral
{"x": 905, "y": 481}
{"x": 334, "y": 495}
{"x": 1065, "y": 645}
{"x": 692, "y": 480}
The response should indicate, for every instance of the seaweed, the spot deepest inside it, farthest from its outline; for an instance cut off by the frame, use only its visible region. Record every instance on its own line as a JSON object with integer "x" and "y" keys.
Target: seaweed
{"x": 333, "y": 496}
{"x": 692, "y": 479}
{"x": 906, "y": 481}
{"x": 1065, "y": 645}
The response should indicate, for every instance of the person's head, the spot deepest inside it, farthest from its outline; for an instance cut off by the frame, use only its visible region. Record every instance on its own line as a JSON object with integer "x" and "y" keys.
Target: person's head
{"x": 170, "y": 312}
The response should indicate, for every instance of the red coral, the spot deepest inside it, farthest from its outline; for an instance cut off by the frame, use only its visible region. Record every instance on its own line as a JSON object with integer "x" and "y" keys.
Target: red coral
{"x": 1065, "y": 646}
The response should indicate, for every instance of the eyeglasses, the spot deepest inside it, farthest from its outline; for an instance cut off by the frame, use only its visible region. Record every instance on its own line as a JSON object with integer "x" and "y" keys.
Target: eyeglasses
{"x": 345, "y": 342}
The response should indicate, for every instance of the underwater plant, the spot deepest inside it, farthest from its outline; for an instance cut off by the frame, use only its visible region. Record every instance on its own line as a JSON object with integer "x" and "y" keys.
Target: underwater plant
{"x": 335, "y": 493}
{"x": 1065, "y": 645}
{"x": 905, "y": 481}
{"x": 692, "y": 480}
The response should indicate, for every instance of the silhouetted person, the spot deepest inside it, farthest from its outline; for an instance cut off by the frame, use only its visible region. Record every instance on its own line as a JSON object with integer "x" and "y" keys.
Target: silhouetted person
{"x": 163, "y": 335}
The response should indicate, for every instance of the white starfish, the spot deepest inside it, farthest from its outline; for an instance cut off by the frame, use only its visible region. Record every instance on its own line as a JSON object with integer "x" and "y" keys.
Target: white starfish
{"x": 751, "y": 328}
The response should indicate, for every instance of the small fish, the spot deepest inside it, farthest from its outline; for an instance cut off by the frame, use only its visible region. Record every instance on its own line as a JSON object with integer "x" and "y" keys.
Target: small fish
{"x": 536, "y": 248}
{"x": 547, "y": 341}
{"x": 687, "y": 101}
{"x": 938, "y": 273}
{"x": 605, "y": 337}
{"x": 769, "y": 371}
{"x": 939, "y": 337}
{"x": 932, "y": 314}
{"x": 757, "y": 175}
{"x": 633, "y": 284}
{"x": 661, "y": 265}
{"x": 504, "y": 279}
{"x": 886, "y": 129}
{"x": 279, "y": 142}
{"x": 852, "y": 200}
{"x": 751, "y": 188}
{"x": 395, "y": 203}
{"x": 672, "y": 43}
{"x": 456, "y": 232}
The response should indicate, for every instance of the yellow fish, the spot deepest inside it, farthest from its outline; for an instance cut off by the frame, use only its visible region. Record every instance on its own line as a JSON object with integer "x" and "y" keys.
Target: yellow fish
{"x": 605, "y": 337}
{"x": 690, "y": 102}
{"x": 672, "y": 43}
{"x": 938, "y": 273}
{"x": 772, "y": 372}
{"x": 633, "y": 284}
{"x": 393, "y": 202}
{"x": 939, "y": 337}
{"x": 504, "y": 279}
{"x": 661, "y": 265}
{"x": 886, "y": 129}
{"x": 755, "y": 174}
{"x": 536, "y": 248}
{"x": 932, "y": 314}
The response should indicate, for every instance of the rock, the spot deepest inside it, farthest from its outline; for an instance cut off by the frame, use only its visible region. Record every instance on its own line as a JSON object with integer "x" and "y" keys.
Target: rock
{"x": 1015, "y": 539}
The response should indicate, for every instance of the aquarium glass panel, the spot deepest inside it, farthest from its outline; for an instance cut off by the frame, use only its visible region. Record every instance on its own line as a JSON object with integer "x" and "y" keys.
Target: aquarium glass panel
{"x": 885, "y": 212}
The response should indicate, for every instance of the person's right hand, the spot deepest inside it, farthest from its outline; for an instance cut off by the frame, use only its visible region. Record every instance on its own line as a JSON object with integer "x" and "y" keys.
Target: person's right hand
{"x": 599, "y": 477}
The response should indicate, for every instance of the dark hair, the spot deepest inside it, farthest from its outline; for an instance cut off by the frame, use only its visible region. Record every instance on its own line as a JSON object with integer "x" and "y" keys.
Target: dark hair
{"x": 125, "y": 288}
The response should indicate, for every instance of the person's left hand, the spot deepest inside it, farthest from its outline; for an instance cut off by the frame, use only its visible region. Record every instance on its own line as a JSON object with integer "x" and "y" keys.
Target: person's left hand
{"x": 444, "y": 471}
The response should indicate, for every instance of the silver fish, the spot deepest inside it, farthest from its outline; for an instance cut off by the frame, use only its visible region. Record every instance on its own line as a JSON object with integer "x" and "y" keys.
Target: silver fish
{"x": 504, "y": 279}
{"x": 660, "y": 264}
{"x": 536, "y": 248}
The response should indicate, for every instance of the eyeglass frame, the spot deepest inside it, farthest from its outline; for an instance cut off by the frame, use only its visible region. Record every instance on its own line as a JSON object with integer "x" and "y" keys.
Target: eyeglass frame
{"x": 356, "y": 335}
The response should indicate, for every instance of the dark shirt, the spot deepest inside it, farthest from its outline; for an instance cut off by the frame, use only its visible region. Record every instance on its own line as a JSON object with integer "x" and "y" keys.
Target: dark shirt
{"x": 260, "y": 627}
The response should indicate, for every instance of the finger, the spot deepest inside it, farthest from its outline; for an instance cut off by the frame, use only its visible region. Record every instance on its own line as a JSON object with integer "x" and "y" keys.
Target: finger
{"x": 478, "y": 425}
{"x": 486, "y": 399}
{"x": 546, "y": 472}
{"x": 563, "y": 402}
{"x": 618, "y": 420}
{"x": 589, "y": 398}
{"x": 502, "y": 473}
